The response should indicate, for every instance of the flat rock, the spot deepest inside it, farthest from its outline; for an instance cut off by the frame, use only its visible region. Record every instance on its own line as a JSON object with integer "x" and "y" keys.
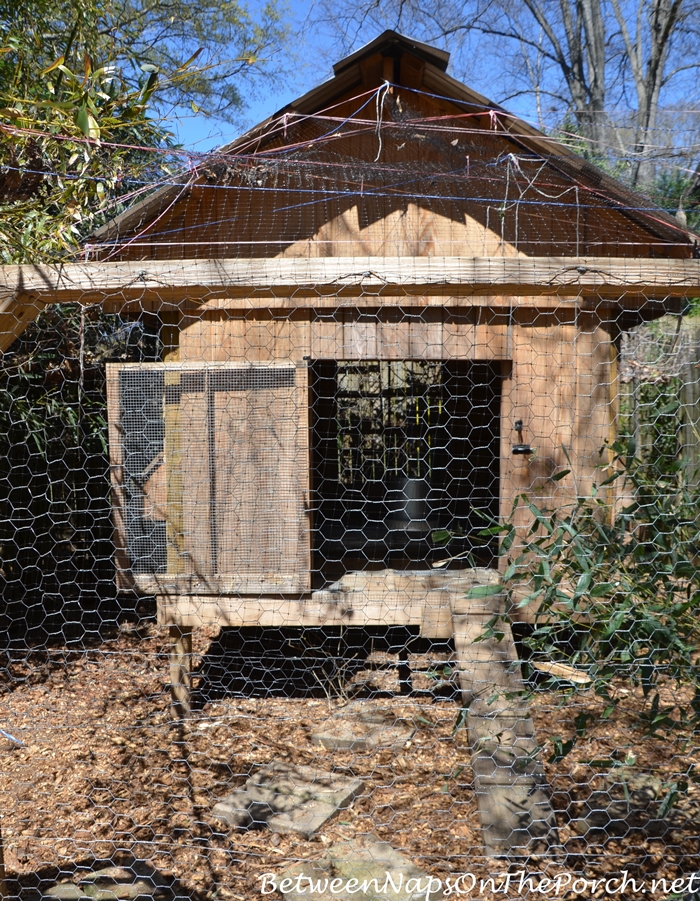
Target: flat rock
{"x": 124, "y": 884}
{"x": 66, "y": 891}
{"x": 112, "y": 884}
{"x": 382, "y": 874}
{"x": 288, "y": 798}
{"x": 360, "y": 727}
{"x": 122, "y": 891}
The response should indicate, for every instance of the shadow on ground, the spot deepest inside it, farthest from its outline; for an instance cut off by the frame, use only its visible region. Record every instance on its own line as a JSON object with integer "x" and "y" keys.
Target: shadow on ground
{"x": 124, "y": 871}
{"x": 307, "y": 663}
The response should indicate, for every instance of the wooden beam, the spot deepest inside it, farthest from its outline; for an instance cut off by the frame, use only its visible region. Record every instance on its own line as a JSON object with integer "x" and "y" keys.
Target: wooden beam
{"x": 181, "y": 671}
{"x": 384, "y": 597}
{"x": 630, "y": 283}
{"x": 16, "y": 312}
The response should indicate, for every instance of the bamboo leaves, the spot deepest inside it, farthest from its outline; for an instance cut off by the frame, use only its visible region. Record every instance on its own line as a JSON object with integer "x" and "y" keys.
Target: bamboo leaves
{"x": 617, "y": 592}
{"x": 67, "y": 121}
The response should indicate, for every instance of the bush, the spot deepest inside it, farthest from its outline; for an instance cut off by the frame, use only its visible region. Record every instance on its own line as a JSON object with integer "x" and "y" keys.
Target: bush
{"x": 617, "y": 591}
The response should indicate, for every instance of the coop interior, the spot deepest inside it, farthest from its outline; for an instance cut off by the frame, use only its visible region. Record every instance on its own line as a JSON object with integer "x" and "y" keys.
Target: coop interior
{"x": 405, "y": 459}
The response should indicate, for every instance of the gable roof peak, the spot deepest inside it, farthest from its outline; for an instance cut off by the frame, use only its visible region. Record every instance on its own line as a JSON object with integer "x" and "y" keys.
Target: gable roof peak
{"x": 392, "y": 43}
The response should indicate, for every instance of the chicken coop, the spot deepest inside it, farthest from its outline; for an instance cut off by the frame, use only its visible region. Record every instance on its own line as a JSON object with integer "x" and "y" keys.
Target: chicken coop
{"x": 384, "y": 313}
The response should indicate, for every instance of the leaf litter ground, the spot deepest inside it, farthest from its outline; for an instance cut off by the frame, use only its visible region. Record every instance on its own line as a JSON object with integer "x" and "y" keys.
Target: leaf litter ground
{"x": 106, "y": 774}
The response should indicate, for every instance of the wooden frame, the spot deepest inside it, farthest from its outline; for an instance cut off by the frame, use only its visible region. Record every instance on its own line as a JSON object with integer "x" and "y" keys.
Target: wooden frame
{"x": 630, "y": 282}
{"x": 220, "y": 481}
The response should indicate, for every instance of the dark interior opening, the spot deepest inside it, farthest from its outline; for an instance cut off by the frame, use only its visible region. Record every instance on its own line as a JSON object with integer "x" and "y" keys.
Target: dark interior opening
{"x": 403, "y": 452}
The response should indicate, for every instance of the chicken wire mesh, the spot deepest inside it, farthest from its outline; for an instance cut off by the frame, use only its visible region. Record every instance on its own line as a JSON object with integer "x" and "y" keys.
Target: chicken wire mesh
{"x": 349, "y": 527}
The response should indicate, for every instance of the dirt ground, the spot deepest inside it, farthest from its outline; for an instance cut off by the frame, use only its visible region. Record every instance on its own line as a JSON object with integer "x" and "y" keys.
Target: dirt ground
{"x": 106, "y": 774}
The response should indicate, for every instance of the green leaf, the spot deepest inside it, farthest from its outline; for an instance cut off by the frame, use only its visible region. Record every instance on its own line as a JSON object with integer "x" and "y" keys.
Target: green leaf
{"x": 558, "y": 476}
{"x": 583, "y": 585}
{"x": 507, "y": 542}
{"x": 189, "y": 62}
{"x": 484, "y": 591}
{"x": 59, "y": 62}
{"x": 667, "y": 409}
{"x": 87, "y": 124}
{"x": 601, "y": 589}
{"x": 149, "y": 87}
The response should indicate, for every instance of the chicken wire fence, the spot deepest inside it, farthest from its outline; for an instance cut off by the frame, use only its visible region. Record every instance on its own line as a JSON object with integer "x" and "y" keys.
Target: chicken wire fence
{"x": 350, "y": 530}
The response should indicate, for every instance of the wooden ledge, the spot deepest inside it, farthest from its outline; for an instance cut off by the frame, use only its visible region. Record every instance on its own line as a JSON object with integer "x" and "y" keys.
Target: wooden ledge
{"x": 630, "y": 283}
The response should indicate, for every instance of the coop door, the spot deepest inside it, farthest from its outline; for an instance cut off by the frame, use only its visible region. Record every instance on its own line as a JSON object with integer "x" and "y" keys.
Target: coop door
{"x": 211, "y": 475}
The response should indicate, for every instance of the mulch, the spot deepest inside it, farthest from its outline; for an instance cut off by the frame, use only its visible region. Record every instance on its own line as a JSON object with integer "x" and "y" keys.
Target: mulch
{"x": 106, "y": 774}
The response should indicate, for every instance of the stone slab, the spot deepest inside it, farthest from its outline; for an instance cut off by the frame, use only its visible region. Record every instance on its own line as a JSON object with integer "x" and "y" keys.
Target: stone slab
{"x": 516, "y": 819}
{"x": 112, "y": 884}
{"x": 362, "y": 727}
{"x": 382, "y": 874}
{"x": 287, "y": 798}
{"x": 513, "y": 797}
{"x": 66, "y": 891}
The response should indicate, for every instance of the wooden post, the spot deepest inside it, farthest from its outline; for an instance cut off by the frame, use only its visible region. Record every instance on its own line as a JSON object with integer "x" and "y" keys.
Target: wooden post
{"x": 170, "y": 336}
{"x": 173, "y": 464}
{"x": 690, "y": 402}
{"x": 181, "y": 670}
{"x": 4, "y": 893}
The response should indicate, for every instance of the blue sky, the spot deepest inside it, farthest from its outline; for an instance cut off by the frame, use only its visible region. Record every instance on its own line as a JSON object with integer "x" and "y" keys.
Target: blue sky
{"x": 311, "y": 67}
{"x": 314, "y": 53}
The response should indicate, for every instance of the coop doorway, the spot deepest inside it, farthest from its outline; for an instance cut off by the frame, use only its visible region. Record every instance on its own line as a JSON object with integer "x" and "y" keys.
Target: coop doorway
{"x": 404, "y": 453}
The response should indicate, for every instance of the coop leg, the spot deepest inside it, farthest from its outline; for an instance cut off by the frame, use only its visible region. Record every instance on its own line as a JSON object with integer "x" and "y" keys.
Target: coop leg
{"x": 181, "y": 670}
{"x": 399, "y": 638}
{"x": 405, "y": 678}
{"x": 3, "y": 884}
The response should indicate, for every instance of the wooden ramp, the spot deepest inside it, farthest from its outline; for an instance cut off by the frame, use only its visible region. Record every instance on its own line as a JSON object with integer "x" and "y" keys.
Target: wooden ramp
{"x": 512, "y": 793}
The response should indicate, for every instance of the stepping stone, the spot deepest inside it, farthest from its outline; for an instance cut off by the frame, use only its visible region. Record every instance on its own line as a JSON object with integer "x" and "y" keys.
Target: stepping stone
{"x": 66, "y": 891}
{"x": 382, "y": 874}
{"x": 288, "y": 798}
{"x": 513, "y": 798}
{"x": 111, "y": 884}
{"x": 361, "y": 727}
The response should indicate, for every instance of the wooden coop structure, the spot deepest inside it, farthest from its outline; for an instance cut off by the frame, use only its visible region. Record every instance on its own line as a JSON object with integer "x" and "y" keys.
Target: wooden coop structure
{"x": 385, "y": 312}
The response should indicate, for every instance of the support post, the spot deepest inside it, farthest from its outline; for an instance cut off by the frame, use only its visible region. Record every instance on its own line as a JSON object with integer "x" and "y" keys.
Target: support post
{"x": 181, "y": 670}
{"x": 4, "y": 893}
{"x": 690, "y": 403}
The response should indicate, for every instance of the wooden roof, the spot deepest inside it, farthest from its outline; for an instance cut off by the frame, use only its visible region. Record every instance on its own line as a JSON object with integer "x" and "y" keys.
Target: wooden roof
{"x": 417, "y": 72}
{"x": 389, "y": 181}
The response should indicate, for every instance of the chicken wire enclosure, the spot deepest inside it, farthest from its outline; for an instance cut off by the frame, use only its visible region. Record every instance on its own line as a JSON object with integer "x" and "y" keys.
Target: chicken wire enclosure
{"x": 402, "y": 451}
{"x": 337, "y": 350}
